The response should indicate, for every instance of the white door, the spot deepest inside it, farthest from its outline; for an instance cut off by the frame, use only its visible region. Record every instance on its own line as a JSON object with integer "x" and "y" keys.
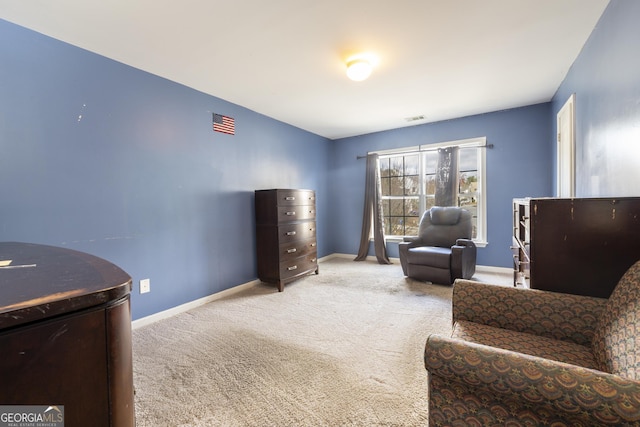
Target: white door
{"x": 566, "y": 149}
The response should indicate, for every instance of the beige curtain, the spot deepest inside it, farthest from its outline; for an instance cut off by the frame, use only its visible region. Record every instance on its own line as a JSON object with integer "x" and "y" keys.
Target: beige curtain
{"x": 373, "y": 212}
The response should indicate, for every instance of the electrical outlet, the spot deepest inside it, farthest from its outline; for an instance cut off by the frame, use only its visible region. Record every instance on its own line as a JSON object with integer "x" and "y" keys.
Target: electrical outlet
{"x": 145, "y": 286}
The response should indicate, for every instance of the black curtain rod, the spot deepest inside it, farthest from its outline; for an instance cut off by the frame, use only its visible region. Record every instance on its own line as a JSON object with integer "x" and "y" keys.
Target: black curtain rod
{"x": 433, "y": 149}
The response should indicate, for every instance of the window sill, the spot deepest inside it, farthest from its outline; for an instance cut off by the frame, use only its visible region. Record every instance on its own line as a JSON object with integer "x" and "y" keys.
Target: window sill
{"x": 395, "y": 239}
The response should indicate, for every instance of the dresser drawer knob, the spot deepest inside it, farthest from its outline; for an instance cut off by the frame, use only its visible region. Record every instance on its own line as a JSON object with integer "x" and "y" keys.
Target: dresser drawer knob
{"x": 313, "y": 260}
{"x": 289, "y": 198}
{"x": 292, "y": 251}
{"x": 313, "y": 245}
{"x": 290, "y": 213}
{"x": 293, "y": 267}
{"x": 312, "y": 212}
{"x": 291, "y": 233}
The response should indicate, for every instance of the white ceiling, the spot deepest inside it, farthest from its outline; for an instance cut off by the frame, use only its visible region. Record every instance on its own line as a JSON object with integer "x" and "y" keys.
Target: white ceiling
{"x": 286, "y": 58}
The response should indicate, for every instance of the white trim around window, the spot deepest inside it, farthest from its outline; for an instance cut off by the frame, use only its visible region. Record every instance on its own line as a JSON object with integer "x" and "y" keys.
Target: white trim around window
{"x": 480, "y": 142}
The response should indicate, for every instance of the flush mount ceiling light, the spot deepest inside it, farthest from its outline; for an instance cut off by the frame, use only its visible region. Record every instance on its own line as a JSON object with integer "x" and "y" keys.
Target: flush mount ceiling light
{"x": 359, "y": 67}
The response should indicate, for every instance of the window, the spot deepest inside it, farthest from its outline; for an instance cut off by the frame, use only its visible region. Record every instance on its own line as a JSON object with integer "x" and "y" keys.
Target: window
{"x": 408, "y": 181}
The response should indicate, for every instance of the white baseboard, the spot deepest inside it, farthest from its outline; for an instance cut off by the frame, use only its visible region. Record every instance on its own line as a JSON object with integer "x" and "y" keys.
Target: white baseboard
{"x": 352, "y": 257}
{"x": 144, "y": 321}
{"x": 491, "y": 269}
{"x": 480, "y": 268}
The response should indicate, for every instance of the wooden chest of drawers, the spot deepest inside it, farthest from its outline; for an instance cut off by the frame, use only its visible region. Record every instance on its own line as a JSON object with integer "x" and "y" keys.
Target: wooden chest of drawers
{"x": 285, "y": 235}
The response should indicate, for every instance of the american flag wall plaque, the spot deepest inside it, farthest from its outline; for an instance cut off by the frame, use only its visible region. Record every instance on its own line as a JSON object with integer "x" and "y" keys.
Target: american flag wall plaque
{"x": 224, "y": 124}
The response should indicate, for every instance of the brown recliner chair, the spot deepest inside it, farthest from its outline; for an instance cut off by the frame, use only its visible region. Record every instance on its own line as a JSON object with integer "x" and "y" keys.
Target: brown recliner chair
{"x": 443, "y": 250}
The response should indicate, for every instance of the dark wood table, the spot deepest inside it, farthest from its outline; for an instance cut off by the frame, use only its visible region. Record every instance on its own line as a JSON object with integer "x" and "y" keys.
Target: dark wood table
{"x": 65, "y": 334}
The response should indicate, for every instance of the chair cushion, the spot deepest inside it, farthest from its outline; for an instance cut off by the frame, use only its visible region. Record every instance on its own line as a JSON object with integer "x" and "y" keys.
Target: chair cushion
{"x": 534, "y": 345}
{"x": 445, "y": 215}
{"x": 614, "y": 341}
{"x": 432, "y": 256}
{"x": 442, "y": 226}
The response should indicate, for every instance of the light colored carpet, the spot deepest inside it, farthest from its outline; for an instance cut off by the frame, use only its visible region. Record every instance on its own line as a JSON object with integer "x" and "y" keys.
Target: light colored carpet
{"x": 343, "y": 348}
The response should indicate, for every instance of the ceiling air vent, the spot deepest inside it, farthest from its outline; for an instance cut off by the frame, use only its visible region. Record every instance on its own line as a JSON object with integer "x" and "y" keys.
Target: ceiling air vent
{"x": 414, "y": 118}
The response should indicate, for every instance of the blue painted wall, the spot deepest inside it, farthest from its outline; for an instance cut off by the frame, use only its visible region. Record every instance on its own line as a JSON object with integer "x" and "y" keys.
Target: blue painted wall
{"x": 517, "y": 166}
{"x": 606, "y": 80}
{"x": 100, "y": 157}
{"x": 107, "y": 159}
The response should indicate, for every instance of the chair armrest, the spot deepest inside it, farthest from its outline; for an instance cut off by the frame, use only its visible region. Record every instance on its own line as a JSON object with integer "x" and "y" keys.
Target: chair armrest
{"x": 463, "y": 259}
{"x": 550, "y": 314}
{"x": 540, "y": 385}
{"x": 465, "y": 243}
{"x": 403, "y": 251}
{"x": 414, "y": 241}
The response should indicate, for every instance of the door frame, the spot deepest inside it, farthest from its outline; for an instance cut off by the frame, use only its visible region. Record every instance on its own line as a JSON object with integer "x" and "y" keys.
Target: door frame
{"x": 566, "y": 149}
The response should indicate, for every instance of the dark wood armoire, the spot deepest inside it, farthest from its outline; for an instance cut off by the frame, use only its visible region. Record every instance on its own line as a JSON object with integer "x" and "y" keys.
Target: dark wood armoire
{"x": 575, "y": 245}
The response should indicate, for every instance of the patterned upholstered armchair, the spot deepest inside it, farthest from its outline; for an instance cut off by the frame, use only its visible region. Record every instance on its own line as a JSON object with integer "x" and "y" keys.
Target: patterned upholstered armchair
{"x": 528, "y": 357}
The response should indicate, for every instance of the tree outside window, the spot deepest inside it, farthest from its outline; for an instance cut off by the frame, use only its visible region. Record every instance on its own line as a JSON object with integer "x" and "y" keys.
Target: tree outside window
{"x": 400, "y": 180}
